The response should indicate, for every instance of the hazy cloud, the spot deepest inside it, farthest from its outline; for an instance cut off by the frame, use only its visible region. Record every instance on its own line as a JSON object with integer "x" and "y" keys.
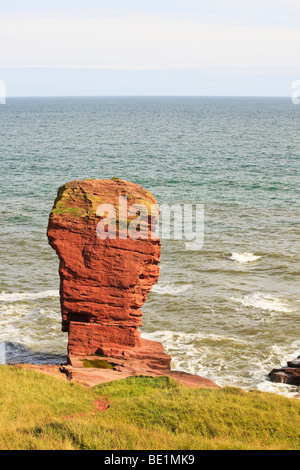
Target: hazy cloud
{"x": 139, "y": 41}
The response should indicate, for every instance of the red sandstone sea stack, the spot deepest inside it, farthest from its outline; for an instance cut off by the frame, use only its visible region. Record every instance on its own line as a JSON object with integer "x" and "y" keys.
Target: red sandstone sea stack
{"x": 105, "y": 282}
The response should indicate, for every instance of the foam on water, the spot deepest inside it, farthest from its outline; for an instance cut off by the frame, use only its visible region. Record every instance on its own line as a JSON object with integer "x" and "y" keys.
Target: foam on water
{"x": 279, "y": 356}
{"x": 31, "y": 324}
{"x": 27, "y": 296}
{"x": 227, "y": 360}
{"x": 244, "y": 257}
{"x": 262, "y": 301}
{"x": 170, "y": 289}
{"x": 197, "y": 353}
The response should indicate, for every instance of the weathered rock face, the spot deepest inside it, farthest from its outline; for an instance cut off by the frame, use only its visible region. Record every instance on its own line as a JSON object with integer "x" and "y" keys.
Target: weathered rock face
{"x": 104, "y": 282}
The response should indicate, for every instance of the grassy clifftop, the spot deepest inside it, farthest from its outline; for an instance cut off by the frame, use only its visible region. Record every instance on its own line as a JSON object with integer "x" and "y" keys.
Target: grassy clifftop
{"x": 38, "y": 411}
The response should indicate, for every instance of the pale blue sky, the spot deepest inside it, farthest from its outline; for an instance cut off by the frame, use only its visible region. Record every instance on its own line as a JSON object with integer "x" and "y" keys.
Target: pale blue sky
{"x": 155, "y": 47}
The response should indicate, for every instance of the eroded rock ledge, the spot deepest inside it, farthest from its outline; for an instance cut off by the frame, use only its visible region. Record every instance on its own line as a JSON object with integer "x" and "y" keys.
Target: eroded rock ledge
{"x": 104, "y": 282}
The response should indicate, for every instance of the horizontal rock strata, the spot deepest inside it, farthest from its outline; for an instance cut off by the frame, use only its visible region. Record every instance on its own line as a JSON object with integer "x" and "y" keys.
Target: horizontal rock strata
{"x": 105, "y": 282}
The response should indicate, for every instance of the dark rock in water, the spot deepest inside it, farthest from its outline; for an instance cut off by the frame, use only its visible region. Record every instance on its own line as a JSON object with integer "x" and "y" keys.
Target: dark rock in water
{"x": 286, "y": 375}
{"x": 294, "y": 362}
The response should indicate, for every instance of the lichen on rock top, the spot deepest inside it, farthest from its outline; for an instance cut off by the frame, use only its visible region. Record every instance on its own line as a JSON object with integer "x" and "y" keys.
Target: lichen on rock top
{"x": 80, "y": 199}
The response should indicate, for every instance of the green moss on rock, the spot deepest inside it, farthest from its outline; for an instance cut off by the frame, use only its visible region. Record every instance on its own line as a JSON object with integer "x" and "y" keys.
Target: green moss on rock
{"x": 97, "y": 364}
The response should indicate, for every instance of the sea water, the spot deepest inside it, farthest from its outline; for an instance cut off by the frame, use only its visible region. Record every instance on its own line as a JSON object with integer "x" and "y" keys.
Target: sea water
{"x": 230, "y": 311}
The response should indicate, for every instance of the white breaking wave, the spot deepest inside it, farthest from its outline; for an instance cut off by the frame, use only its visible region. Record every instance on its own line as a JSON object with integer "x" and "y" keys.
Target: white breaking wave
{"x": 179, "y": 338}
{"x": 23, "y": 323}
{"x": 23, "y": 296}
{"x": 244, "y": 257}
{"x": 264, "y": 302}
{"x": 199, "y": 353}
{"x": 170, "y": 289}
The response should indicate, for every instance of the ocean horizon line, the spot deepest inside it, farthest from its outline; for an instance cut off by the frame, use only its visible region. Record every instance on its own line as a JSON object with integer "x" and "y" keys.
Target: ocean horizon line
{"x": 151, "y": 96}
